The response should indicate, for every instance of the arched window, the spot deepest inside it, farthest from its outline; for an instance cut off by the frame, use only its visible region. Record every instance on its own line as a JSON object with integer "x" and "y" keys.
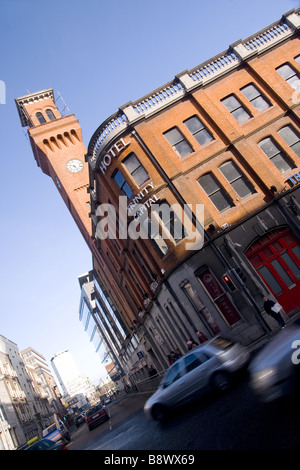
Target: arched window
{"x": 50, "y": 114}
{"x": 40, "y": 118}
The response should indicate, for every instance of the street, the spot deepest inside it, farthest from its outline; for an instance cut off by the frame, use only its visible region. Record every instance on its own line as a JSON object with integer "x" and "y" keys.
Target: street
{"x": 235, "y": 420}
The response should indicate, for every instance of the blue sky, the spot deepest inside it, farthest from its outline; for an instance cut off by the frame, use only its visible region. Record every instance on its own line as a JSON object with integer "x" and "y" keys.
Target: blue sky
{"x": 98, "y": 55}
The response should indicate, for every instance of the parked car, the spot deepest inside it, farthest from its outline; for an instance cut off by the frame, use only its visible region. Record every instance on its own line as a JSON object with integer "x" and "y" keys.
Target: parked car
{"x": 275, "y": 370}
{"x": 95, "y": 416}
{"x": 209, "y": 367}
{"x": 47, "y": 444}
{"x": 107, "y": 400}
{"x": 79, "y": 420}
{"x": 57, "y": 432}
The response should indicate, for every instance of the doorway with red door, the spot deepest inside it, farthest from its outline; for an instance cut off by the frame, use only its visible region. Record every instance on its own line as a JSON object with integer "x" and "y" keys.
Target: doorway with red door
{"x": 276, "y": 258}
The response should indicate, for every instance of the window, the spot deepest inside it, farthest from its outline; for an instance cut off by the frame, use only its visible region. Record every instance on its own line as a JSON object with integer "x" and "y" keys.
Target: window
{"x": 191, "y": 362}
{"x": 178, "y": 142}
{"x": 215, "y": 192}
{"x": 40, "y": 118}
{"x": 236, "y": 178}
{"x": 289, "y": 75}
{"x": 291, "y": 137}
{"x": 282, "y": 162}
{"x": 255, "y": 97}
{"x": 153, "y": 232}
{"x": 3, "y": 416}
{"x": 297, "y": 59}
{"x": 136, "y": 169}
{"x": 50, "y": 114}
{"x": 172, "y": 375}
{"x": 236, "y": 109}
{"x": 123, "y": 185}
{"x": 198, "y": 130}
{"x": 169, "y": 220}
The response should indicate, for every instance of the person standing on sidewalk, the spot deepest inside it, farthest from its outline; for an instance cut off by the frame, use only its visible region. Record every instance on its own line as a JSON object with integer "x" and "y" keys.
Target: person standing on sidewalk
{"x": 268, "y": 304}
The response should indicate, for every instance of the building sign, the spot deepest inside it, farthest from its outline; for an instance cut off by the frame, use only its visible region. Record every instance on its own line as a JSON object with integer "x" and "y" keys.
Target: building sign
{"x": 141, "y": 207}
{"x": 113, "y": 152}
{"x": 219, "y": 297}
{"x": 294, "y": 179}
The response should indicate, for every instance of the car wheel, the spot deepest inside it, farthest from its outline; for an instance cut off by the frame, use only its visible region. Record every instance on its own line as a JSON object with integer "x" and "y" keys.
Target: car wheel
{"x": 221, "y": 381}
{"x": 159, "y": 412}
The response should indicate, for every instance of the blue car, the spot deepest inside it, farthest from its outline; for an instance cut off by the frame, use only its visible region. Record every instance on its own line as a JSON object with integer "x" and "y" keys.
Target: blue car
{"x": 46, "y": 444}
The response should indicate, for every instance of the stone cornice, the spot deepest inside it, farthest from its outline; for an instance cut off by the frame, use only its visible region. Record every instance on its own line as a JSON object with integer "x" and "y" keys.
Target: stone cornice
{"x": 32, "y": 98}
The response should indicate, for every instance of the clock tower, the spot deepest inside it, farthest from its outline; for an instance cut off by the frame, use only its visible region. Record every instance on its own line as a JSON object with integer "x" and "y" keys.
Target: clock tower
{"x": 59, "y": 151}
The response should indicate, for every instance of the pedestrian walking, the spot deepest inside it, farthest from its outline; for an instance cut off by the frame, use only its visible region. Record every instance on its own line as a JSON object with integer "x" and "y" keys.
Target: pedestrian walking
{"x": 178, "y": 353}
{"x": 152, "y": 371}
{"x": 171, "y": 359}
{"x": 272, "y": 309}
{"x": 201, "y": 336}
{"x": 191, "y": 344}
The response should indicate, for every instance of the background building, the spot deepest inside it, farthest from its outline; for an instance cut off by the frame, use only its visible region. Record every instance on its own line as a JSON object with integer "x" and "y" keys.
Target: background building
{"x": 43, "y": 380}
{"x": 71, "y": 382}
{"x": 224, "y": 134}
{"x": 24, "y": 413}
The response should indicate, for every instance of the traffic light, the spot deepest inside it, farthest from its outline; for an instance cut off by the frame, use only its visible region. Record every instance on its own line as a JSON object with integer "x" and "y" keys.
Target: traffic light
{"x": 230, "y": 285}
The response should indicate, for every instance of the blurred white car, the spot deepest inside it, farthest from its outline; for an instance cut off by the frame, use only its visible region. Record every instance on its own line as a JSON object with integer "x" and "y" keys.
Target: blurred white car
{"x": 275, "y": 370}
{"x": 206, "y": 368}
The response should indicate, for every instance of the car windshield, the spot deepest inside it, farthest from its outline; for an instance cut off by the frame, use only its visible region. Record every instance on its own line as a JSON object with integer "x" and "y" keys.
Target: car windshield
{"x": 94, "y": 409}
{"x": 49, "y": 429}
{"x": 41, "y": 445}
{"x": 222, "y": 343}
{"x": 171, "y": 376}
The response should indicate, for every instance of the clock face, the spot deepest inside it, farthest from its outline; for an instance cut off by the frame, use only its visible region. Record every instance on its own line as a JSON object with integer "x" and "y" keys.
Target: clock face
{"x": 74, "y": 165}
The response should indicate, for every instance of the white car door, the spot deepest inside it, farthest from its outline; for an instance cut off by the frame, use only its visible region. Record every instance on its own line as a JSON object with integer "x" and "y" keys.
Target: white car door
{"x": 174, "y": 384}
{"x": 197, "y": 371}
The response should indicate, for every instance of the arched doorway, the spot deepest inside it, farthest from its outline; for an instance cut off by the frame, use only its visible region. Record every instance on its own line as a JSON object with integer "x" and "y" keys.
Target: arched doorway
{"x": 276, "y": 258}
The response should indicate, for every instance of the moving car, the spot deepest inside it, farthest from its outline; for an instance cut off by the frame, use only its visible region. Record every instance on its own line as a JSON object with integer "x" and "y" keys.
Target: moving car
{"x": 275, "y": 370}
{"x": 107, "y": 400}
{"x": 95, "y": 416}
{"x": 47, "y": 444}
{"x": 209, "y": 367}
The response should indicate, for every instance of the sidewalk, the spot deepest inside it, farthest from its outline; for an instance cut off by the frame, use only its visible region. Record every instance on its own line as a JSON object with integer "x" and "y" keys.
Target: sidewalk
{"x": 260, "y": 342}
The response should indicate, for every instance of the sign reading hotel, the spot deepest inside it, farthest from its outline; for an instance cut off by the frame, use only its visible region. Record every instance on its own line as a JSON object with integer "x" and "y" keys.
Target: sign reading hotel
{"x": 113, "y": 152}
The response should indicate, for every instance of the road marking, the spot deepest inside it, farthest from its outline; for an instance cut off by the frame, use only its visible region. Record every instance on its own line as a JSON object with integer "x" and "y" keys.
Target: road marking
{"x": 110, "y": 423}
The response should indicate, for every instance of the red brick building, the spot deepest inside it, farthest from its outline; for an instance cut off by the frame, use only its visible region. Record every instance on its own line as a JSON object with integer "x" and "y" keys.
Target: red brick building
{"x": 224, "y": 134}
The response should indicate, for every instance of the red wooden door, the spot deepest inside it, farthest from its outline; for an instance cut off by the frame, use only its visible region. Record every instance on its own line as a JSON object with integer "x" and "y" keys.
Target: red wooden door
{"x": 276, "y": 258}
